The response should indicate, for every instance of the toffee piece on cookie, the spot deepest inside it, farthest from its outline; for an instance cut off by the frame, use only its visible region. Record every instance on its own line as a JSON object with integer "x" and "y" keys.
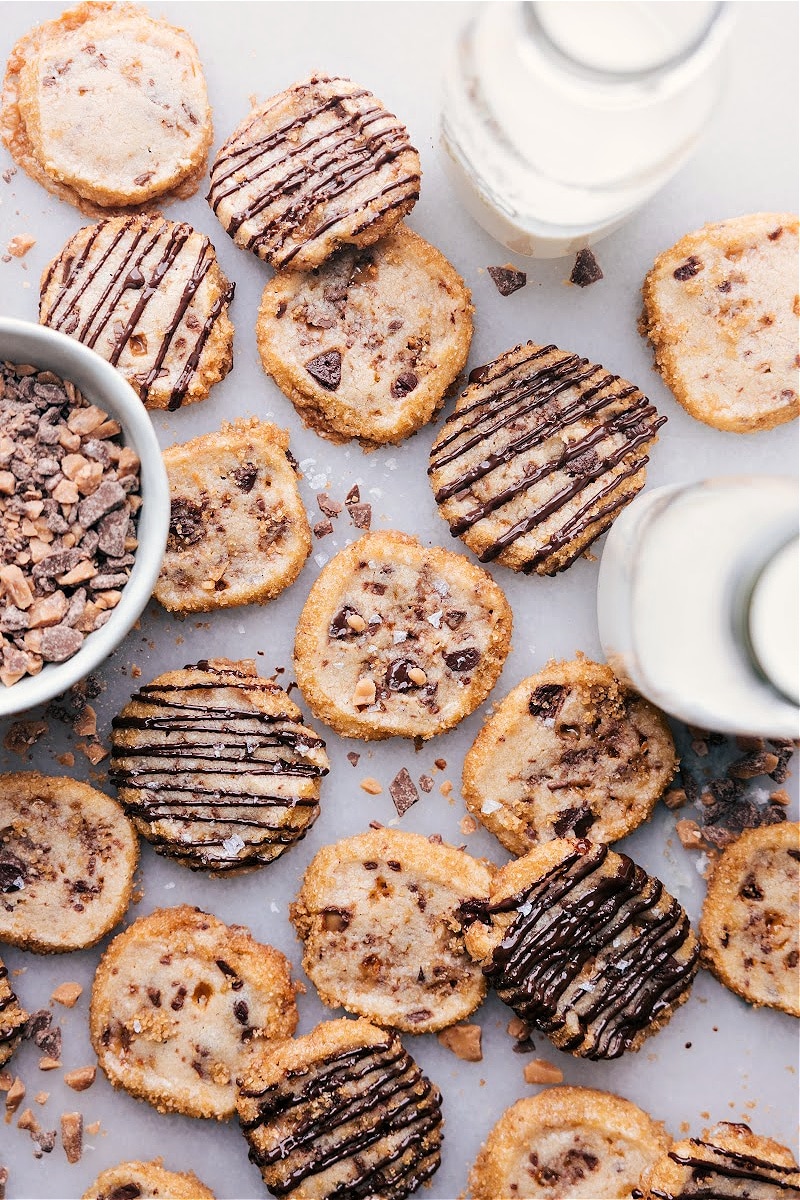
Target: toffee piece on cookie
{"x": 12, "y": 1015}
{"x": 728, "y": 1160}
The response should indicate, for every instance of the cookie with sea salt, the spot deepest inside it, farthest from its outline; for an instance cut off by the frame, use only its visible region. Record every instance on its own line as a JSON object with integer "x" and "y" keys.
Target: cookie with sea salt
{"x": 67, "y": 858}
{"x": 238, "y": 531}
{"x": 12, "y": 1015}
{"x": 584, "y": 946}
{"x": 318, "y": 166}
{"x": 749, "y": 929}
{"x": 729, "y": 1160}
{"x": 567, "y": 1142}
{"x": 148, "y": 295}
{"x": 215, "y": 767}
{"x": 570, "y": 752}
{"x": 180, "y": 1002}
{"x": 366, "y": 346}
{"x": 379, "y": 916}
{"x": 106, "y": 107}
{"x": 543, "y": 451}
{"x": 343, "y": 1111}
{"x": 147, "y": 1181}
{"x": 721, "y": 309}
{"x": 400, "y": 640}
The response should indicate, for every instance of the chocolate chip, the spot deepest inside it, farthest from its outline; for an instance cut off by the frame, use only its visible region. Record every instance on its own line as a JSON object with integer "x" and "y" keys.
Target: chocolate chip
{"x": 546, "y": 701}
{"x": 507, "y": 279}
{"x": 403, "y": 792}
{"x": 13, "y": 872}
{"x": 326, "y": 369}
{"x": 453, "y": 618}
{"x": 246, "y": 476}
{"x": 586, "y": 270}
{"x": 125, "y": 1191}
{"x": 134, "y": 279}
{"x": 335, "y": 920}
{"x": 478, "y": 374}
{"x": 405, "y": 383}
{"x": 186, "y": 523}
{"x": 397, "y": 676}
{"x": 241, "y": 1012}
{"x": 464, "y": 659}
{"x": 687, "y": 270}
{"x": 574, "y": 821}
{"x": 339, "y": 627}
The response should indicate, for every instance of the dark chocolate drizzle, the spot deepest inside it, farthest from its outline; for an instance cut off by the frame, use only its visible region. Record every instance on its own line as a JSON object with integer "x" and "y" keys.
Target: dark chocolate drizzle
{"x": 716, "y": 1174}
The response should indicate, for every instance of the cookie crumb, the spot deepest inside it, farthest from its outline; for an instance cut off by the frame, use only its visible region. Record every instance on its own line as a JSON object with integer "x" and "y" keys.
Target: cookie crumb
{"x": 689, "y": 834}
{"x": 93, "y": 1128}
{"x": 539, "y": 1070}
{"x": 80, "y": 1079}
{"x": 14, "y": 1097}
{"x": 67, "y": 994}
{"x": 371, "y": 786}
{"x": 468, "y": 824}
{"x": 464, "y": 1041}
{"x": 20, "y": 244}
{"x": 67, "y": 759}
{"x": 403, "y": 792}
{"x": 86, "y": 722}
{"x": 72, "y": 1135}
{"x": 674, "y": 798}
{"x": 586, "y": 270}
{"x": 446, "y": 787}
{"x": 507, "y": 279}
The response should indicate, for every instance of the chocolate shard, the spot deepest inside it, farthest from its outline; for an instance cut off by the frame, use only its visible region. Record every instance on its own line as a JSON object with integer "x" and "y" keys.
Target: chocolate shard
{"x": 507, "y": 279}
{"x": 586, "y": 270}
{"x": 326, "y": 369}
{"x": 687, "y": 270}
{"x": 403, "y": 792}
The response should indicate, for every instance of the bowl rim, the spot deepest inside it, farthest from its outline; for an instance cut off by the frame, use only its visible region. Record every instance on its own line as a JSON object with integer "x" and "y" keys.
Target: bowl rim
{"x": 101, "y": 384}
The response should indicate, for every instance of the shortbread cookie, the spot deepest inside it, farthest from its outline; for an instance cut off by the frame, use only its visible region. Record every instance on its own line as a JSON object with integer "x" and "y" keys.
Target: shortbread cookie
{"x": 729, "y": 1160}
{"x": 179, "y": 1003}
{"x": 238, "y": 531}
{"x": 570, "y": 752}
{"x": 318, "y": 166}
{"x": 215, "y": 767}
{"x": 67, "y": 858}
{"x": 721, "y": 310}
{"x": 379, "y": 916}
{"x": 749, "y": 929}
{"x": 12, "y": 1015}
{"x": 343, "y": 1111}
{"x": 584, "y": 946}
{"x": 567, "y": 1142}
{"x": 366, "y": 346}
{"x": 543, "y": 451}
{"x": 147, "y": 1181}
{"x": 106, "y": 107}
{"x": 147, "y": 295}
{"x": 397, "y": 640}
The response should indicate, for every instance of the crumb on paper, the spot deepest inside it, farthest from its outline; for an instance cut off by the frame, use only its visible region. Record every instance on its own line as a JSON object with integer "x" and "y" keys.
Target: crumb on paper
{"x": 14, "y": 1097}
{"x": 468, "y": 824}
{"x": 371, "y": 786}
{"x": 81, "y": 1078}
{"x": 67, "y": 994}
{"x": 20, "y": 244}
{"x": 72, "y": 1135}
{"x": 353, "y": 757}
{"x": 22, "y": 735}
{"x": 426, "y": 783}
{"x": 446, "y": 787}
{"x": 464, "y": 1041}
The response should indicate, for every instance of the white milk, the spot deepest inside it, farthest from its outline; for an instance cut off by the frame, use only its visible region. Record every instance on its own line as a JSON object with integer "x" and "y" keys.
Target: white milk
{"x": 562, "y": 117}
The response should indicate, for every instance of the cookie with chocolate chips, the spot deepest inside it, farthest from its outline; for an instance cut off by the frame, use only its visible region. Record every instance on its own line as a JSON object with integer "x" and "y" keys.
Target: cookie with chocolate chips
{"x": 584, "y": 946}
{"x": 367, "y": 345}
{"x": 180, "y": 1003}
{"x": 320, "y": 165}
{"x": 543, "y": 451}
{"x": 729, "y": 1160}
{"x": 567, "y": 1142}
{"x": 67, "y": 858}
{"x": 398, "y": 640}
{"x": 344, "y": 1110}
{"x": 149, "y": 296}
{"x": 12, "y": 1015}
{"x": 238, "y": 531}
{"x": 147, "y": 1181}
{"x": 749, "y": 929}
{"x": 215, "y": 767}
{"x": 379, "y": 916}
{"x": 570, "y": 752}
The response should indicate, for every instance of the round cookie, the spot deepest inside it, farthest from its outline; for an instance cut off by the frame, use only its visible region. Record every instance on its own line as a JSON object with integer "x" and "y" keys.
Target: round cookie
{"x": 729, "y": 1160}
{"x": 147, "y": 1181}
{"x": 148, "y": 295}
{"x": 749, "y": 929}
{"x": 570, "y": 752}
{"x": 238, "y": 531}
{"x": 379, "y": 916}
{"x": 366, "y": 346}
{"x": 320, "y": 165}
{"x": 584, "y": 946}
{"x": 721, "y": 309}
{"x": 67, "y": 858}
{"x": 215, "y": 767}
{"x": 567, "y": 1142}
{"x": 400, "y": 640}
{"x": 344, "y": 1110}
{"x": 106, "y": 107}
{"x": 542, "y": 452}
{"x": 179, "y": 1003}
{"x": 12, "y": 1015}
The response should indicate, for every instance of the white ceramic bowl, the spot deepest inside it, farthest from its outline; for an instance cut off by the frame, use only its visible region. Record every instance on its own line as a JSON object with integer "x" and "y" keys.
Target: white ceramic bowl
{"x": 101, "y": 384}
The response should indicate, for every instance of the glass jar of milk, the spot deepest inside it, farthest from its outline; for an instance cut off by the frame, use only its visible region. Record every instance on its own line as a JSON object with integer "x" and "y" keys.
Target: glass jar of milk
{"x": 561, "y": 117}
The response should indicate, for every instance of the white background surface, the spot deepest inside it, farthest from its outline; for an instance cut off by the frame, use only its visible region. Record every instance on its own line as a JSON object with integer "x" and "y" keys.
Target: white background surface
{"x": 718, "y": 1059}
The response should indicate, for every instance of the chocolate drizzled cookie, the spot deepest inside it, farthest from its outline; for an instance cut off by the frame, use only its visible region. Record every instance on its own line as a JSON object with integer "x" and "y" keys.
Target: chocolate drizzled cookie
{"x": 215, "y": 768}
{"x": 12, "y": 1017}
{"x": 729, "y": 1160}
{"x": 542, "y": 452}
{"x": 343, "y": 1112}
{"x": 584, "y": 945}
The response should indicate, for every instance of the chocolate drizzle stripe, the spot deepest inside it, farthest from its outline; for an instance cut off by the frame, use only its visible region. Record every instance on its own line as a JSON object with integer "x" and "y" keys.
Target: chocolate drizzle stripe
{"x": 490, "y": 373}
{"x": 73, "y": 272}
{"x": 201, "y": 268}
{"x": 104, "y": 308}
{"x": 130, "y": 256}
{"x": 730, "y": 1165}
{"x": 177, "y": 239}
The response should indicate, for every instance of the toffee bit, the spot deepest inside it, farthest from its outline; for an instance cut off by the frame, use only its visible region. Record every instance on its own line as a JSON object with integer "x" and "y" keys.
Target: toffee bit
{"x": 542, "y": 1071}
{"x": 507, "y": 279}
{"x": 353, "y": 757}
{"x": 403, "y": 792}
{"x": 322, "y": 529}
{"x": 586, "y": 269}
{"x": 371, "y": 786}
{"x": 464, "y": 1041}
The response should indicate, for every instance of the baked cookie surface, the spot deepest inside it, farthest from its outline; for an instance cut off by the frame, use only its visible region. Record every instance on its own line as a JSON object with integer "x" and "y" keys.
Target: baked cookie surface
{"x": 542, "y": 452}
{"x": 584, "y": 946}
{"x": 319, "y": 165}
{"x": 379, "y": 918}
{"x": 564, "y": 1143}
{"x": 12, "y": 1015}
{"x": 749, "y": 929}
{"x": 148, "y": 295}
{"x": 366, "y": 346}
{"x": 107, "y": 107}
{"x": 343, "y": 1111}
{"x": 215, "y": 768}
{"x": 721, "y": 309}
{"x": 570, "y": 752}
{"x": 238, "y": 531}
{"x": 147, "y": 1181}
{"x": 729, "y": 1160}
{"x": 67, "y": 859}
{"x": 400, "y": 640}
{"x": 179, "y": 1003}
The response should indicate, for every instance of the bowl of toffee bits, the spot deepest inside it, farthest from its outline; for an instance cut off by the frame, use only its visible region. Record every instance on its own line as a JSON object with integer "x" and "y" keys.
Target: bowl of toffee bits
{"x": 84, "y": 512}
